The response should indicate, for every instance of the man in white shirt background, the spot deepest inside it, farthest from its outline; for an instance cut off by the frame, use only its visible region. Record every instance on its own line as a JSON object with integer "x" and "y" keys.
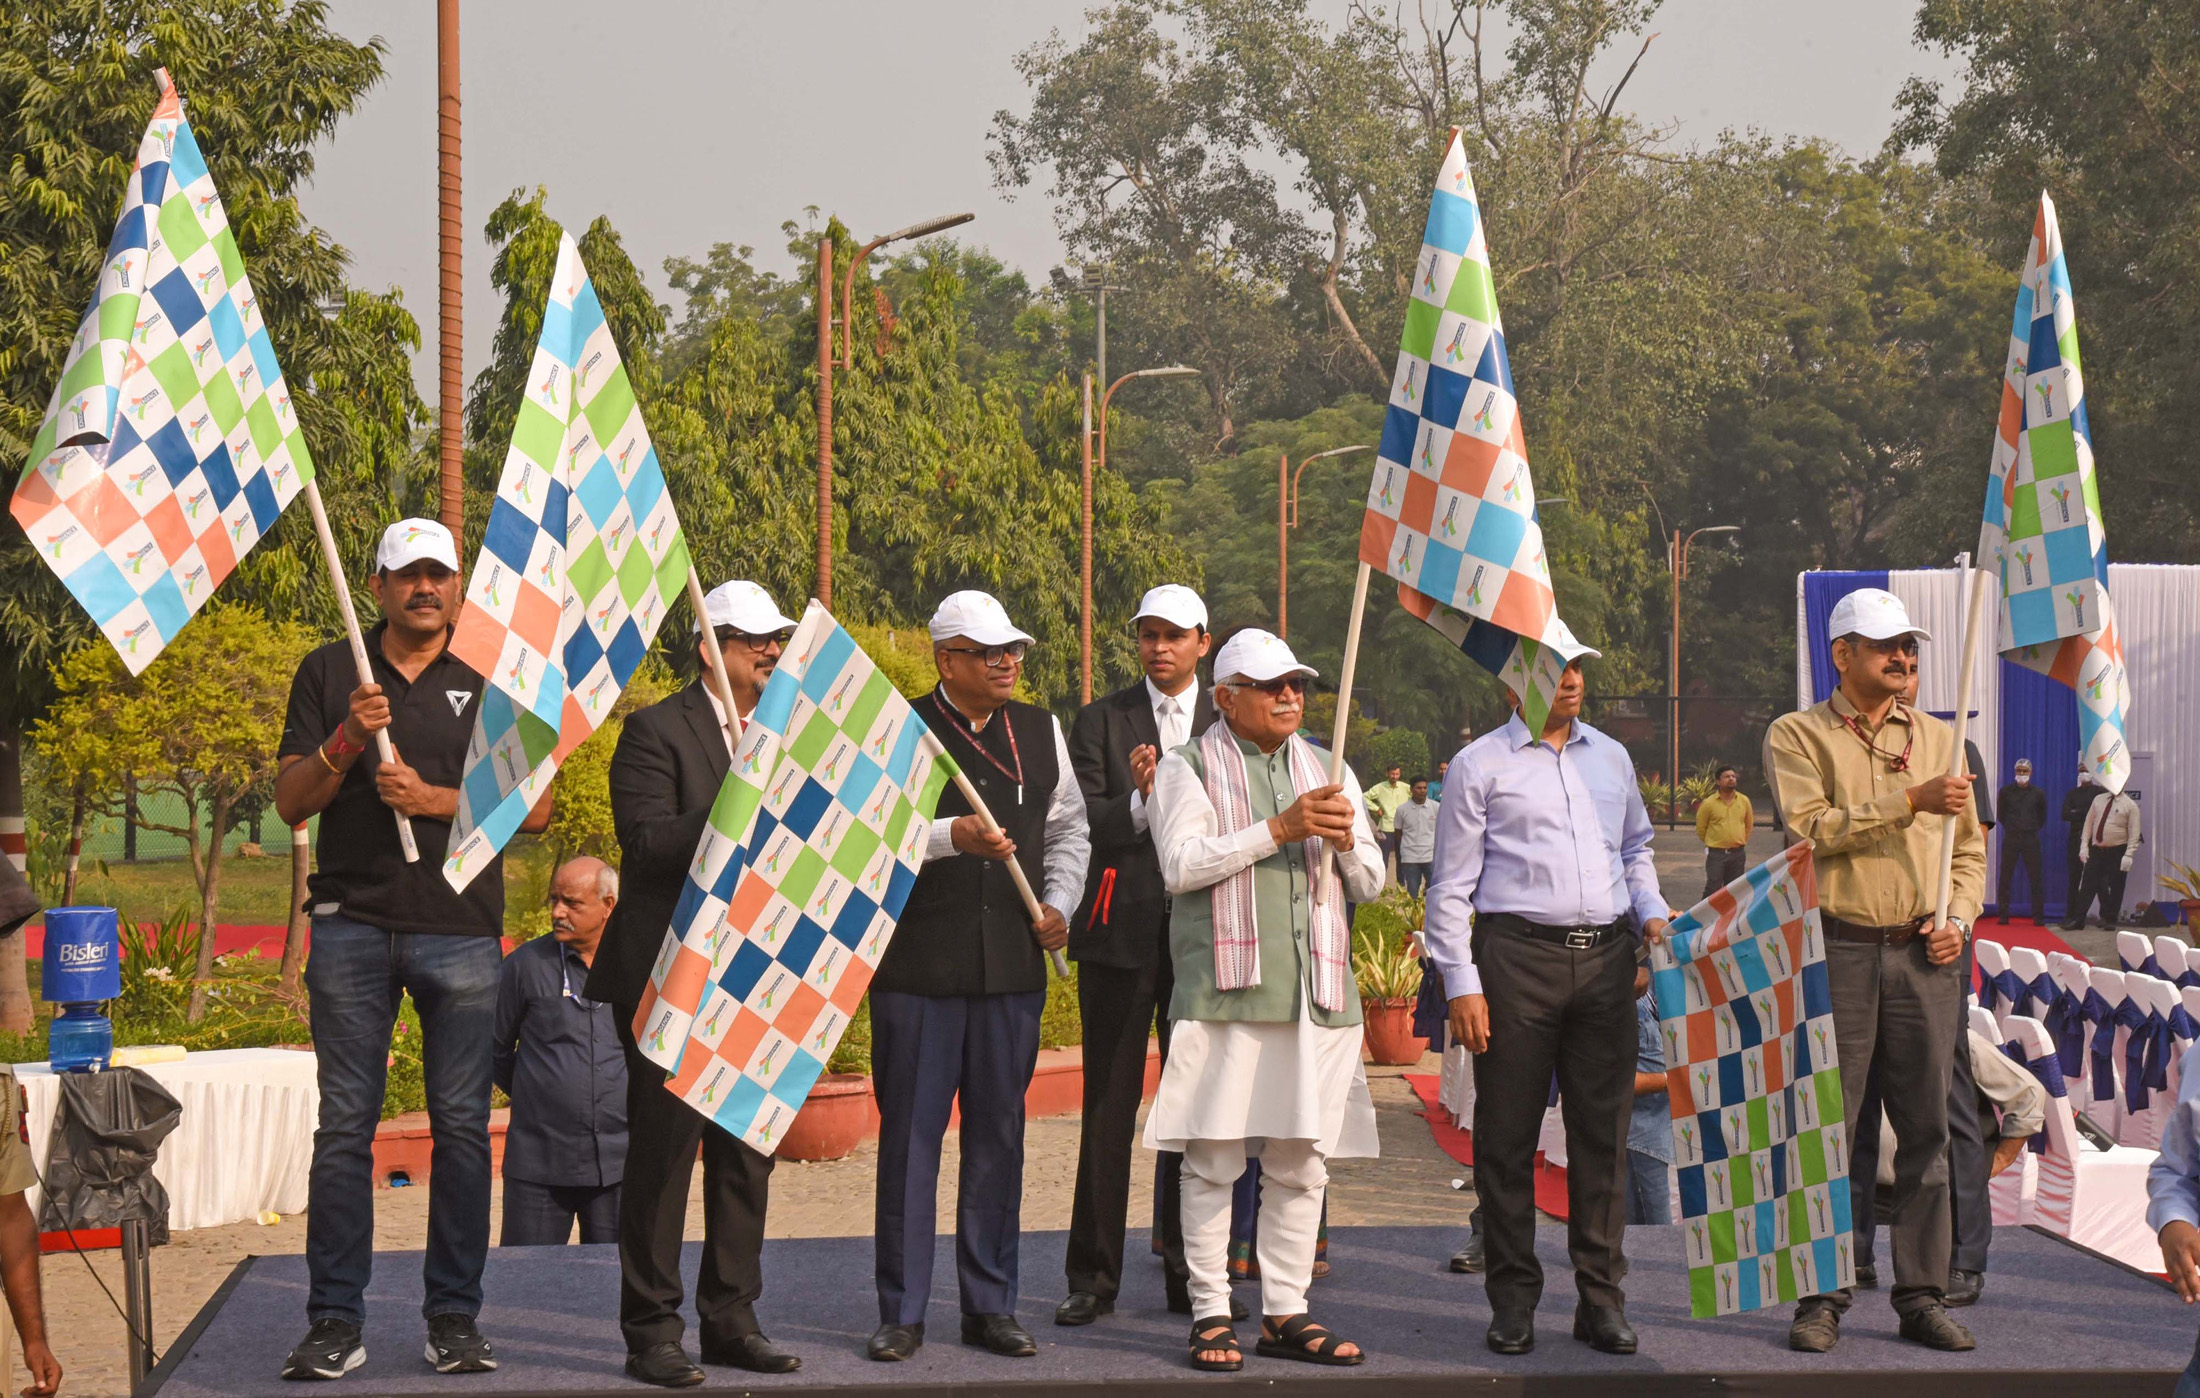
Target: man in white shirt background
{"x": 2110, "y": 842}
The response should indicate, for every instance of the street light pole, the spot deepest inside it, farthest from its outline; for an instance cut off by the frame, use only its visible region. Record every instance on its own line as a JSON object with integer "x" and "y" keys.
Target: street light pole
{"x": 1677, "y": 561}
{"x": 1084, "y": 625}
{"x": 450, "y": 248}
{"x": 846, "y": 359}
{"x": 1287, "y": 519}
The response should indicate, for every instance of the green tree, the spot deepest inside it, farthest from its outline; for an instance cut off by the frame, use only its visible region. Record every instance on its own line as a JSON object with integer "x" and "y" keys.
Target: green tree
{"x": 201, "y": 724}
{"x": 263, "y": 82}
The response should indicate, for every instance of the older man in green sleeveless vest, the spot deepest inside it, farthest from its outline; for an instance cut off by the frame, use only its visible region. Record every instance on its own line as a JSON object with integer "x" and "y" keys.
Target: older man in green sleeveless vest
{"x": 1261, "y": 852}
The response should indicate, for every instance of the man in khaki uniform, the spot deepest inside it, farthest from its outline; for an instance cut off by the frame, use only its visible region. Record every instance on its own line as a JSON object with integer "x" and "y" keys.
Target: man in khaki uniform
{"x": 19, "y": 1238}
{"x": 1863, "y": 777}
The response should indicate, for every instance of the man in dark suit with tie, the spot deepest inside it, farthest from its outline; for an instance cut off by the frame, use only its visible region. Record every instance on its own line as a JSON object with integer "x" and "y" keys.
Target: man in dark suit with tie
{"x": 1119, "y": 938}
{"x": 665, "y": 774}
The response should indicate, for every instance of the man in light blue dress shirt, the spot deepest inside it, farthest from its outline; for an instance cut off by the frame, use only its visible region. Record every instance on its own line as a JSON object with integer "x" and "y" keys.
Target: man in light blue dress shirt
{"x": 2173, "y": 1207}
{"x": 1542, "y": 889}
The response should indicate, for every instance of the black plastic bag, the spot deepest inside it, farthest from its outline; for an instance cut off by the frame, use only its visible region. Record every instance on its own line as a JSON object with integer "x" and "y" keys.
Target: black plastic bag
{"x": 99, "y": 1170}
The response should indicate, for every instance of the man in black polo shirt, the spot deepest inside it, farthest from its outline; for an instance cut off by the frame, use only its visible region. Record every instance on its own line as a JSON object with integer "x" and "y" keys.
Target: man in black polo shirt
{"x": 956, "y": 1001}
{"x": 384, "y": 928}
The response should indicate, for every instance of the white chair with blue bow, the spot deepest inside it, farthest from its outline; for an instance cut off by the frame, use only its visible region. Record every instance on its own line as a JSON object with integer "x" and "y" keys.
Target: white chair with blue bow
{"x": 1999, "y": 988}
{"x": 2176, "y": 969}
{"x": 2151, "y": 1059}
{"x": 2096, "y": 1198}
{"x": 2065, "y": 1013}
{"x": 2135, "y": 953}
{"x": 2108, "y": 1033}
{"x": 2009, "y": 1194}
{"x": 2192, "y": 967}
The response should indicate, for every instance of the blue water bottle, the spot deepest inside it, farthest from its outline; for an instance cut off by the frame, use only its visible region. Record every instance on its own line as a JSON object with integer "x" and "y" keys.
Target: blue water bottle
{"x": 82, "y": 972}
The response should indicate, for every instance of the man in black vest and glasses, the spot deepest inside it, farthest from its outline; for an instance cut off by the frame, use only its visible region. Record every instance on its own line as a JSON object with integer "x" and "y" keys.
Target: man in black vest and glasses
{"x": 956, "y": 1000}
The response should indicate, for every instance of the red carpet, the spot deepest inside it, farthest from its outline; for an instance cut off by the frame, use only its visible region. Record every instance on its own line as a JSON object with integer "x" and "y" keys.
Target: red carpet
{"x": 1550, "y": 1180}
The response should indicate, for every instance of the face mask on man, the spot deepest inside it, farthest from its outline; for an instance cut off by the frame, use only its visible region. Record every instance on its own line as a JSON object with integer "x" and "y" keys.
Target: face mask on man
{"x": 2024, "y": 779}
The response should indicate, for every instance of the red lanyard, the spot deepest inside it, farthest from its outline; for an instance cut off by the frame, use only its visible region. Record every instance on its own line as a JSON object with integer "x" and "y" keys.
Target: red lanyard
{"x": 962, "y": 725}
{"x": 1896, "y": 761}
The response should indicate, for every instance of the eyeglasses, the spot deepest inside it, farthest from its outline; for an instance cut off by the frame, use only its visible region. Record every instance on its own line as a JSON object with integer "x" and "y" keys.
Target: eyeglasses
{"x": 1289, "y": 684}
{"x": 727, "y": 635}
{"x": 1900, "y": 645}
{"x": 995, "y": 657}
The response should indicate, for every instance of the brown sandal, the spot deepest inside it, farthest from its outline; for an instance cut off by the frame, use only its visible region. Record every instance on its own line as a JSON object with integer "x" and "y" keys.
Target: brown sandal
{"x": 1216, "y": 1333}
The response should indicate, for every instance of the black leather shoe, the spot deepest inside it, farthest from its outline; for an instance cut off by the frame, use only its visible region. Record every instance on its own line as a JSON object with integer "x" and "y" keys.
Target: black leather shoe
{"x": 754, "y": 1353}
{"x": 1815, "y": 1329}
{"x": 1468, "y": 1258}
{"x": 1934, "y": 1328}
{"x": 999, "y": 1333}
{"x": 664, "y": 1364}
{"x": 1963, "y": 1287}
{"x": 890, "y": 1342}
{"x": 2072, "y": 926}
{"x": 1082, "y": 1308}
{"x": 1512, "y": 1332}
{"x": 1867, "y": 1277}
{"x": 1604, "y": 1328}
{"x": 1180, "y": 1303}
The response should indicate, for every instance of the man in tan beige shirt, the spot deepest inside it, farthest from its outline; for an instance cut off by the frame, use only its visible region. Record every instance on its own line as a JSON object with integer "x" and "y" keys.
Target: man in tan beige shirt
{"x": 1863, "y": 777}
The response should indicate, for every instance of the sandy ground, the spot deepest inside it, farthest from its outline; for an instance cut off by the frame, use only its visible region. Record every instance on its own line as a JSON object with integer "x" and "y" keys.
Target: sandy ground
{"x": 1410, "y": 1184}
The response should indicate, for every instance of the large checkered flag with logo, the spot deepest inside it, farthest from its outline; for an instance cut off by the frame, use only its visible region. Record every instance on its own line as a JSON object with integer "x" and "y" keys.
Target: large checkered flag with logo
{"x": 581, "y": 553}
{"x": 2042, "y": 527}
{"x": 170, "y": 447}
{"x": 1754, "y": 1077}
{"x": 1451, "y": 510}
{"x": 813, "y": 843}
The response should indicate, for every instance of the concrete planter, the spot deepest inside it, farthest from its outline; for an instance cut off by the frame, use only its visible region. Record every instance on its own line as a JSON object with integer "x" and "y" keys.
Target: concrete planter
{"x": 1390, "y": 1037}
{"x": 839, "y": 1115}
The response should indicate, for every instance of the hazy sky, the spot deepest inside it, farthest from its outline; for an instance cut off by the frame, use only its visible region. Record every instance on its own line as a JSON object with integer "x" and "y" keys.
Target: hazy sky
{"x": 691, "y": 122}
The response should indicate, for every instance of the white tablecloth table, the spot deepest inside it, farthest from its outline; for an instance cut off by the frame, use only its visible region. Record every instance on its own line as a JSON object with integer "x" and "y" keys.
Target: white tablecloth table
{"x": 245, "y": 1142}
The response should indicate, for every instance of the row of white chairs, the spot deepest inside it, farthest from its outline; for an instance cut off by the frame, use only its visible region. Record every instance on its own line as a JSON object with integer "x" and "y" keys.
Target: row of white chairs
{"x": 2119, "y": 1035}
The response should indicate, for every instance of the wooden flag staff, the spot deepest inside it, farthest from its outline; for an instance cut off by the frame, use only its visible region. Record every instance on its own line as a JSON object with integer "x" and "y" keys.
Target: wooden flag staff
{"x": 1015, "y": 870}
{"x": 714, "y": 662}
{"x": 382, "y": 746}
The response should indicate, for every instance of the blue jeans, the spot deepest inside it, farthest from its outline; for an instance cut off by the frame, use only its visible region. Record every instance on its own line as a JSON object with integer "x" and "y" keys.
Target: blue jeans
{"x": 1649, "y": 1189}
{"x": 1413, "y": 878}
{"x": 355, "y": 976}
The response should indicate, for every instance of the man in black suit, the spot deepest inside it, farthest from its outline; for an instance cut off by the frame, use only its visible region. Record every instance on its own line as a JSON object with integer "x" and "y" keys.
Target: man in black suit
{"x": 2023, "y": 817}
{"x": 671, "y": 758}
{"x": 1120, "y": 941}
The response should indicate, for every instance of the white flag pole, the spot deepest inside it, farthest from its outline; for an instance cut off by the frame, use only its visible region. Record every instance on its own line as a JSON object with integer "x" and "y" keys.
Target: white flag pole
{"x": 714, "y": 662}
{"x": 1974, "y": 581}
{"x": 1015, "y": 870}
{"x": 358, "y": 646}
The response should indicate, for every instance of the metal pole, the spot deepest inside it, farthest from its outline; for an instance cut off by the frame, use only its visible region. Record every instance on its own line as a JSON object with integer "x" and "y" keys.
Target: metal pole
{"x": 1084, "y": 565}
{"x": 137, "y": 1299}
{"x": 1101, "y": 355}
{"x": 825, "y": 421}
{"x": 451, "y": 237}
{"x": 1283, "y": 544}
{"x": 1673, "y": 681}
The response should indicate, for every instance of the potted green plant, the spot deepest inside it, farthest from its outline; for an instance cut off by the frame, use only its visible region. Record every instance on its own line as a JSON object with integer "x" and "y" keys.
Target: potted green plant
{"x": 2186, "y": 885}
{"x": 1389, "y": 977}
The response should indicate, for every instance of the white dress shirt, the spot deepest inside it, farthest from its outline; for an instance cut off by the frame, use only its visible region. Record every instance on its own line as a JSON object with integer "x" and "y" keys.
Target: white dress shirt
{"x": 1068, "y": 838}
{"x": 718, "y": 711}
{"x": 1172, "y": 719}
{"x": 2113, "y": 819}
{"x": 1196, "y": 855}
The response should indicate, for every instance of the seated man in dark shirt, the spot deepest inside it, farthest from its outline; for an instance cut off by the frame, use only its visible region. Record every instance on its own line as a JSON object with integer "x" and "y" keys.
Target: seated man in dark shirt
{"x": 558, "y": 1058}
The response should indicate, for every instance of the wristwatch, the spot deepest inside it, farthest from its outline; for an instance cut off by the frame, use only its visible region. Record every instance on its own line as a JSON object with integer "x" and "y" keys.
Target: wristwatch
{"x": 1960, "y": 925}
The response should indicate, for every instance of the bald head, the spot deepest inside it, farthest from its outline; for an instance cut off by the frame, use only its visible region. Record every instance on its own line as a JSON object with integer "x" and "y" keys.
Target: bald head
{"x": 583, "y": 892}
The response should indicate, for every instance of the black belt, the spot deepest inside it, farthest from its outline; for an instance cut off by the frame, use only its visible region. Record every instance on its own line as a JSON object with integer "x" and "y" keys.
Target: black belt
{"x": 1842, "y": 930}
{"x": 1574, "y": 938}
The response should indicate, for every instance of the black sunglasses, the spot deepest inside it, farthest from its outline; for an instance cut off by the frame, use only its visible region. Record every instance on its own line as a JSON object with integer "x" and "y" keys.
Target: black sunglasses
{"x": 1289, "y": 684}
{"x": 994, "y": 656}
{"x": 728, "y": 634}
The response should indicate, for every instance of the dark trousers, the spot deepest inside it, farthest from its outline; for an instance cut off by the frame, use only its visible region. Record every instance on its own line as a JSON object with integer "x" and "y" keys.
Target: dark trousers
{"x": 2074, "y": 858}
{"x": 542, "y": 1215}
{"x": 1119, "y": 1009}
{"x": 1722, "y": 866}
{"x": 1573, "y": 1012}
{"x": 355, "y": 978}
{"x": 925, "y": 1050}
{"x": 1970, "y": 1168}
{"x": 2104, "y": 880}
{"x": 2023, "y": 847}
{"x": 663, "y": 1133}
{"x": 1894, "y": 1008}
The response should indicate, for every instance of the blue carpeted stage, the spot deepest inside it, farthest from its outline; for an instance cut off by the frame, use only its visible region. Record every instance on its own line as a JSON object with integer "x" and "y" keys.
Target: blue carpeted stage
{"x": 2055, "y": 1320}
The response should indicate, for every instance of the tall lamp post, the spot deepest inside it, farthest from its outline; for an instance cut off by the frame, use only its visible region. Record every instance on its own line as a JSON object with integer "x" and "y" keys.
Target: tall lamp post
{"x": 1084, "y": 564}
{"x": 1287, "y": 519}
{"x": 1677, "y": 561}
{"x": 826, "y": 359}
{"x": 450, "y": 247}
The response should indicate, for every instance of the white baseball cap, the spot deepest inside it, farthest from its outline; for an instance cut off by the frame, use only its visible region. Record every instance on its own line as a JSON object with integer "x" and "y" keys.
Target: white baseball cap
{"x": 976, "y": 617}
{"x": 1257, "y": 656}
{"x": 1175, "y": 604}
{"x": 1875, "y": 614}
{"x": 411, "y": 541}
{"x": 745, "y": 607}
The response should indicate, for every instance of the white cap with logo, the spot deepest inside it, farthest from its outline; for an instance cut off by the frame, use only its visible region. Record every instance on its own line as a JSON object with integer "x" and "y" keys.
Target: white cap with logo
{"x": 1257, "y": 656}
{"x": 411, "y": 541}
{"x": 1175, "y": 604}
{"x": 745, "y": 607}
{"x": 1875, "y": 614}
{"x": 977, "y": 617}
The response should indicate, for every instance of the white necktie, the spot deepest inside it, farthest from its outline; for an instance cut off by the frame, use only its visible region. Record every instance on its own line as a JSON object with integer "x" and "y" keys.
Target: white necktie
{"x": 1172, "y": 733}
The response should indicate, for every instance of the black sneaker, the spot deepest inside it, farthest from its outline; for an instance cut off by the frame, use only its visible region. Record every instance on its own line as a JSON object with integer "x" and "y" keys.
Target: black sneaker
{"x": 331, "y": 1349}
{"x": 455, "y": 1346}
